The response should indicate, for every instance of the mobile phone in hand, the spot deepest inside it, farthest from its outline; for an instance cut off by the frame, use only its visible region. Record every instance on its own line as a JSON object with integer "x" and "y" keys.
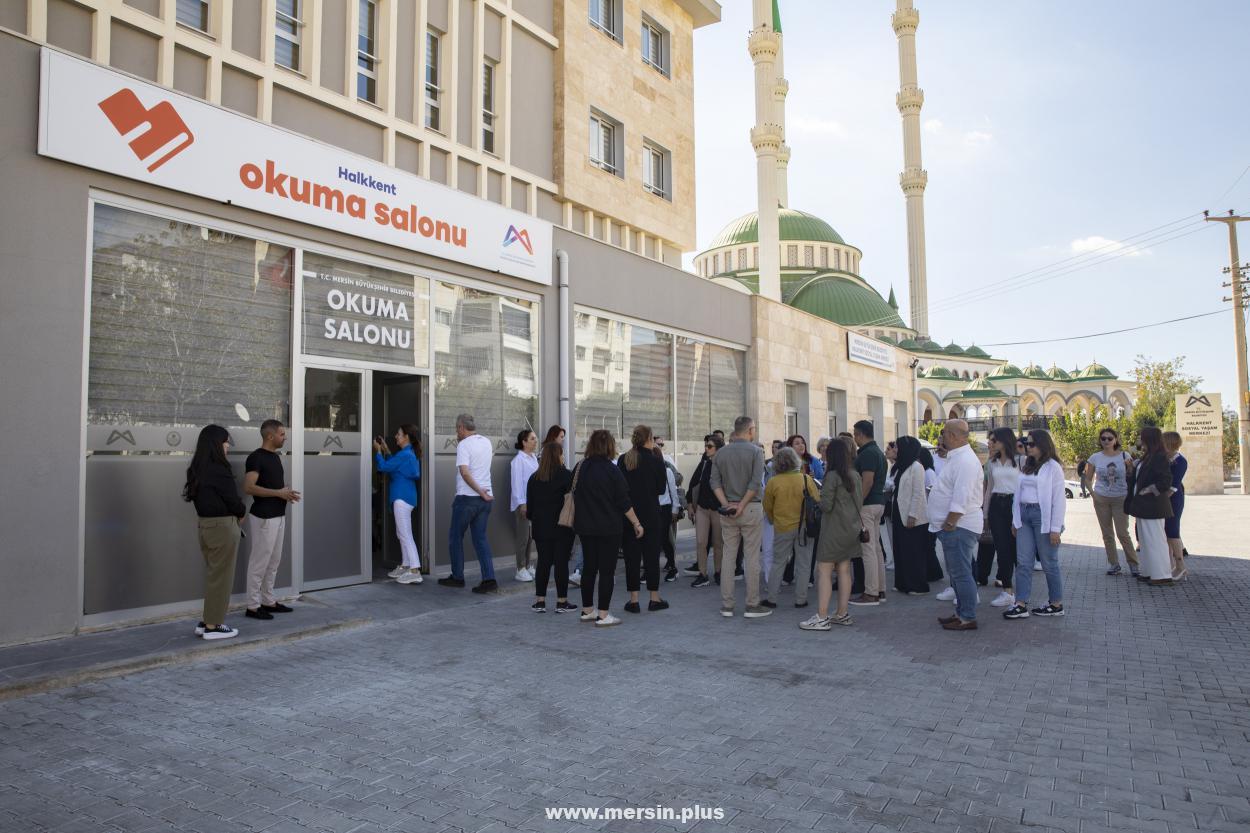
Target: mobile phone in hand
{"x": 726, "y": 510}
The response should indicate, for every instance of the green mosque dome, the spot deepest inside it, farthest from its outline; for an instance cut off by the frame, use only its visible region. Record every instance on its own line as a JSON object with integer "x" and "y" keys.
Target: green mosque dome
{"x": 976, "y": 352}
{"x": 795, "y": 225}
{"x": 1095, "y": 371}
{"x": 846, "y": 301}
{"x": 1006, "y": 370}
{"x": 909, "y": 344}
{"x": 1035, "y": 372}
{"x": 930, "y": 346}
{"x": 954, "y": 349}
{"x": 1059, "y": 374}
{"x": 982, "y": 388}
{"x": 939, "y": 372}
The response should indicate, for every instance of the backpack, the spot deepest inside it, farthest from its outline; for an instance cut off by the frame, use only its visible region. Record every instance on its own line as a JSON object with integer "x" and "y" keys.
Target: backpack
{"x": 809, "y": 524}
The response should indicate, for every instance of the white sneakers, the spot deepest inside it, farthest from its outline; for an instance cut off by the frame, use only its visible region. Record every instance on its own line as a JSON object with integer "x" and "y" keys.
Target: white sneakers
{"x": 219, "y": 632}
{"x": 524, "y": 574}
{"x": 575, "y": 578}
{"x": 412, "y": 576}
{"x": 607, "y": 621}
{"x": 397, "y": 572}
{"x": 1037, "y": 566}
{"x": 947, "y": 595}
{"x": 1004, "y": 599}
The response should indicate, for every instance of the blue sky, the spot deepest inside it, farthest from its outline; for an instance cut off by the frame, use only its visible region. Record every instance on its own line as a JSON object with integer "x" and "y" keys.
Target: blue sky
{"x": 1051, "y": 130}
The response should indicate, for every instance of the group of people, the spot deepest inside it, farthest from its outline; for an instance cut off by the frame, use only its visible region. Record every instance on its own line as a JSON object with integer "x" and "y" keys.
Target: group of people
{"x": 831, "y": 519}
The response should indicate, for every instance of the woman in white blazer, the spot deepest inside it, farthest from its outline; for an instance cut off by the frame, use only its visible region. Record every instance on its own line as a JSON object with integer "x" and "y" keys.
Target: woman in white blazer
{"x": 1037, "y": 514}
{"x": 909, "y": 519}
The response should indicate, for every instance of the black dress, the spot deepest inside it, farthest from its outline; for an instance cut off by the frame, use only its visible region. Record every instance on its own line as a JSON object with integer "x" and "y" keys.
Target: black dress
{"x": 645, "y": 482}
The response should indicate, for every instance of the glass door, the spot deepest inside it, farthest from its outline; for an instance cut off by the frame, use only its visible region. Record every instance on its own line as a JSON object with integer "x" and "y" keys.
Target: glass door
{"x": 334, "y": 486}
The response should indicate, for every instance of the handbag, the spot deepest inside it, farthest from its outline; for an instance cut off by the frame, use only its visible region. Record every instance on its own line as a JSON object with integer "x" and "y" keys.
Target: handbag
{"x": 811, "y": 513}
{"x": 566, "y": 511}
{"x": 1130, "y": 479}
{"x": 864, "y": 537}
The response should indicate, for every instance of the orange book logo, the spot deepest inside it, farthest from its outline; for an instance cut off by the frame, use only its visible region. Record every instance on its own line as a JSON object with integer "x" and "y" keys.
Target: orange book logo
{"x": 155, "y": 134}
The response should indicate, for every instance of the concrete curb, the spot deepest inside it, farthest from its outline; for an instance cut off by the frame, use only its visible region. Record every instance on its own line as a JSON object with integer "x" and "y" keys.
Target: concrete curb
{"x": 121, "y": 668}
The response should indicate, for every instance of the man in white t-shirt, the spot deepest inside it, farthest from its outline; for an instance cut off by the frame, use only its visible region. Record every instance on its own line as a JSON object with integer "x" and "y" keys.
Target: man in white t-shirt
{"x": 955, "y": 514}
{"x": 470, "y": 509}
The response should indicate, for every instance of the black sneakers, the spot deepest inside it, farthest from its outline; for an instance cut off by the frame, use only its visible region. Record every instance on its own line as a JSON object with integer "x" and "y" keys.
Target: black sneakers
{"x": 277, "y": 607}
{"x": 487, "y": 586}
{"x": 654, "y": 606}
{"x": 701, "y": 581}
{"x": 451, "y": 581}
{"x": 671, "y": 575}
{"x": 632, "y": 607}
{"x": 539, "y": 607}
{"x": 566, "y": 607}
{"x": 259, "y": 613}
{"x": 767, "y": 603}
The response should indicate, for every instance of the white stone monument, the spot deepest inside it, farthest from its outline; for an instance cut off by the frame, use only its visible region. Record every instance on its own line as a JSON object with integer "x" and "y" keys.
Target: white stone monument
{"x": 1200, "y": 422}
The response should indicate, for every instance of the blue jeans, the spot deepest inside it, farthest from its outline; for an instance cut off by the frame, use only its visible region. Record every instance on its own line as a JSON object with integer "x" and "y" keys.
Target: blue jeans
{"x": 1032, "y": 543}
{"x": 959, "y": 546}
{"x": 470, "y": 512}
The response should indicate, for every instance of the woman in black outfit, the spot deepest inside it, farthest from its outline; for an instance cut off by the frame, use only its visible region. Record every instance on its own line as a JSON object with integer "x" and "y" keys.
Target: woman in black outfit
{"x": 211, "y": 487}
{"x": 600, "y": 499}
{"x": 646, "y": 480}
{"x": 544, "y": 498}
{"x": 909, "y": 519}
{"x": 1151, "y": 505}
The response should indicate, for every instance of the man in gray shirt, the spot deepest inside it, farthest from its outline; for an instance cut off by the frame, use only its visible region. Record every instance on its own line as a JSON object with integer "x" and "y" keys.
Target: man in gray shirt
{"x": 737, "y": 478}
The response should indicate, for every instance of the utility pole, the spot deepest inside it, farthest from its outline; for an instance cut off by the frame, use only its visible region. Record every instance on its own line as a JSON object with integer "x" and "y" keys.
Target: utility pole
{"x": 1239, "y": 338}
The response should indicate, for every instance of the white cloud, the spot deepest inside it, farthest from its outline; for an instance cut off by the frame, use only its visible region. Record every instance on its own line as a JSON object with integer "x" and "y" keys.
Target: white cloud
{"x": 977, "y": 138}
{"x": 825, "y": 127}
{"x": 933, "y": 126}
{"x": 1103, "y": 246}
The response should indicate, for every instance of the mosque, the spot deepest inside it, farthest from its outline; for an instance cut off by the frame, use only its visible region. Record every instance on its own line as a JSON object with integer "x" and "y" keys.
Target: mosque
{"x": 798, "y": 259}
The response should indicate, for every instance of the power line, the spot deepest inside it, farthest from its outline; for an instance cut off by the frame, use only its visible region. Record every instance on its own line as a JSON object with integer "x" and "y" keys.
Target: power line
{"x": 1106, "y": 333}
{"x": 1244, "y": 171}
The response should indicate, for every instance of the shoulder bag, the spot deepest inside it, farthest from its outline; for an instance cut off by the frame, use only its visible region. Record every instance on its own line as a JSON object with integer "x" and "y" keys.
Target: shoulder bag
{"x": 810, "y": 518}
{"x": 1130, "y": 479}
{"x": 566, "y": 511}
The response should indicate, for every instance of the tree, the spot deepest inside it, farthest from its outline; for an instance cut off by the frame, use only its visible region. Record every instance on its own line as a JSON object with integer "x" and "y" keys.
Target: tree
{"x": 1158, "y": 385}
{"x": 1232, "y": 452}
{"x": 1076, "y": 432}
{"x": 930, "y": 432}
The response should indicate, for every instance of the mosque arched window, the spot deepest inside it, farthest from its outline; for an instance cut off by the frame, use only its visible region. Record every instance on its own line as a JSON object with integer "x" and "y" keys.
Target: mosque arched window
{"x": 792, "y": 255}
{"x": 824, "y": 257}
{"x": 715, "y": 264}
{"x": 755, "y": 257}
{"x": 742, "y": 258}
{"x": 729, "y": 261}
{"x": 837, "y": 259}
{"x": 809, "y": 255}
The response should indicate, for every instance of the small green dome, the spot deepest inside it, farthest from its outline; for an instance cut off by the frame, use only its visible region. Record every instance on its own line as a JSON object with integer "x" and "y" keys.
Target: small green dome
{"x": 982, "y": 388}
{"x": 954, "y": 349}
{"x": 930, "y": 346}
{"x": 887, "y": 340}
{"x": 1095, "y": 371}
{"x": 794, "y": 225}
{"x": 976, "y": 352}
{"x": 1035, "y": 372}
{"x": 1006, "y": 370}
{"x": 1059, "y": 374}
{"x": 939, "y": 372}
{"x": 909, "y": 344}
{"x": 846, "y": 301}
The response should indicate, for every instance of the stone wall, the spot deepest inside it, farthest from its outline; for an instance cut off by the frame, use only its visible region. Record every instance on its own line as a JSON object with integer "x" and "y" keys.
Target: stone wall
{"x": 1205, "y": 456}
{"x": 791, "y": 345}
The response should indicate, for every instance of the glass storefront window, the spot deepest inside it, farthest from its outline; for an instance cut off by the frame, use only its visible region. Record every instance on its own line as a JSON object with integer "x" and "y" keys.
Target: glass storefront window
{"x": 189, "y": 325}
{"x": 356, "y": 311}
{"x": 630, "y": 369}
{"x": 486, "y": 355}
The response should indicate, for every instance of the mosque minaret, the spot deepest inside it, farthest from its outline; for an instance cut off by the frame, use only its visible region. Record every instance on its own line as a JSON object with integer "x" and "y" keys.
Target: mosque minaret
{"x": 914, "y": 177}
{"x": 768, "y": 139}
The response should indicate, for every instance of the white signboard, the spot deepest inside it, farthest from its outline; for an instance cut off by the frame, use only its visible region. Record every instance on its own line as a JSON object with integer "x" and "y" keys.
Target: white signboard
{"x": 1199, "y": 415}
{"x": 869, "y": 351}
{"x": 93, "y": 116}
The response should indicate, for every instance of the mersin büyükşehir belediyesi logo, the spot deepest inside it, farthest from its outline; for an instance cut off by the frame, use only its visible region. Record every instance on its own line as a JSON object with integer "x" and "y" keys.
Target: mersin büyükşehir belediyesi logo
{"x": 164, "y": 134}
{"x": 515, "y": 235}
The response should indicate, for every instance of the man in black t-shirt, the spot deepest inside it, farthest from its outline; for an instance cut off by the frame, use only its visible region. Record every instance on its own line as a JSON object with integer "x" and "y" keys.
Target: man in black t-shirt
{"x": 265, "y": 480}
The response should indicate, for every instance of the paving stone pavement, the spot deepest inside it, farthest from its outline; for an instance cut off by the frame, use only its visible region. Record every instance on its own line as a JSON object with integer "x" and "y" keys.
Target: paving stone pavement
{"x": 1128, "y": 714}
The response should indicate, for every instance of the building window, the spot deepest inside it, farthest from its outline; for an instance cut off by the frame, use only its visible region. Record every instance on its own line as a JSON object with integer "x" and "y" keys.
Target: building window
{"x": 433, "y": 92}
{"x": 742, "y": 259}
{"x": 715, "y": 264}
{"x": 792, "y": 255}
{"x": 366, "y": 52}
{"x": 605, "y": 15}
{"x": 605, "y": 143}
{"x": 577, "y": 387}
{"x": 824, "y": 257}
{"x": 488, "y": 107}
{"x": 837, "y": 259}
{"x": 809, "y": 256}
{"x": 755, "y": 257}
{"x": 193, "y": 13}
{"x": 286, "y": 33}
{"x": 581, "y": 353}
{"x": 835, "y": 406}
{"x": 655, "y": 45}
{"x": 792, "y": 408}
{"x": 657, "y": 170}
{"x": 729, "y": 261}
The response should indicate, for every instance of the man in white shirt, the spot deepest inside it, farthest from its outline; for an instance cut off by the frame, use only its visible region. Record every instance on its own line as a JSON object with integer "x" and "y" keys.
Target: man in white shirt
{"x": 470, "y": 509}
{"x": 956, "y": 516}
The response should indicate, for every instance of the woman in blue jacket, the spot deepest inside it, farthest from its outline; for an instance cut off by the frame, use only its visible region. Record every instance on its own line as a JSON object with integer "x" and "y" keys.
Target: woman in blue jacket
{"x": 403, "y": 469}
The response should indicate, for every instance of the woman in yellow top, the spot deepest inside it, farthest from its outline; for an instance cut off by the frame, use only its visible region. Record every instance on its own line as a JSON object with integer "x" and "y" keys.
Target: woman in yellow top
{"x": 783, "y": 504}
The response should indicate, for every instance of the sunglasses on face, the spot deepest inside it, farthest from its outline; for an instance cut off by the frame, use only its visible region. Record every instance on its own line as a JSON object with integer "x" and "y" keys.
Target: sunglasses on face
{"x": 1028, "y": 444}
{"x": 709, "y": 445}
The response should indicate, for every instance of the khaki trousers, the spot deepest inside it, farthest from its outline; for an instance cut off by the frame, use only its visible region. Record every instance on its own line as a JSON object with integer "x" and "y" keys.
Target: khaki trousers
{"x": 1114, "y": 524}
{"x": 874, "y": 558}
{"x": 749, "y": 528}
{"x": 707, "y": 524}
{"x": 219, "y": 543}
{"x": 524, "y": 539}
{"x": 265, "y": 535}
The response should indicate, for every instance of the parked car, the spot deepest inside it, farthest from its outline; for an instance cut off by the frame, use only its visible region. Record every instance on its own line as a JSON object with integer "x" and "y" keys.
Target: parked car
{"x": 1071, "y": 488}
